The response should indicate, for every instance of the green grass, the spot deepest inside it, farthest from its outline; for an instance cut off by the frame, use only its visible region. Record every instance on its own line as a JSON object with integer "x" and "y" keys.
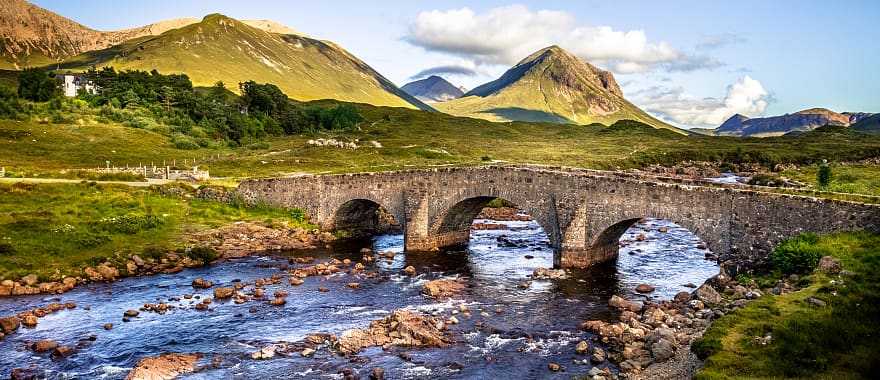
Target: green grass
{"x": 410, "y": 139}
{"x": 839, "y": 341}
{"x": 56, "y": 229}
{"x": 859, "y": 179}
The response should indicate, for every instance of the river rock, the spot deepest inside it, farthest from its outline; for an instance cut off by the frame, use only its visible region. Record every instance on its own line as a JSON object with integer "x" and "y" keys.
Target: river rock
{"x": 644, "y": 288}
{"x": 830, "y": 265}
{"x": 662, "y": 350}
{"x": 30, "y": 280}
{"x": 598, "y": 355}
{"x": 223, "y": 292}
{"x": 108, "y": 326}
{"x": 555, "y": 367}
{"x": 29, "y": 320}
{"x": 377, "y": 373}
{"x": 401, "y": 328}
{"x": 201, "y": 283}
{"x": 353, "y": 285}
{"x": 267, "y": 352}
{"x": 582, "y": 347}
{"x": 620, "y": 303}
{"x": 108, "y": 272}
{"x": 44, "y": 345}
{"x": 682, "y": 297}
{"x": 9, "y": 324}
{"x": 707, "y": 294}
{"x": 131, "y": 313}
{"x": 278, "y": 301}
{"x": 442, "y": 288}
{"x": 163, "y": 367}
{"x": 62, "y": 352}
{"x": 410, "y": 270}
{"x": 23, "y": 374}
{"x": 549, "y": 274}
{"x": 307, "y": 352}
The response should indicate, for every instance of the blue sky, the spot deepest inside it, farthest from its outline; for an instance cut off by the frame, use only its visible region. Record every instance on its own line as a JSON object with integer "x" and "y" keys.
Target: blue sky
{"x": 691, "y": 62}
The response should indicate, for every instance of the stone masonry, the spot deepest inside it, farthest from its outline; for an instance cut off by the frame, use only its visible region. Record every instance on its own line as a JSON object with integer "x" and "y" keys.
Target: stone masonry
{"x": 584, "y": 213}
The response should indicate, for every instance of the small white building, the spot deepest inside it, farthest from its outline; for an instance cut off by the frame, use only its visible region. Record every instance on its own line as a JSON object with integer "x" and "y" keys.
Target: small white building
{"x": 72, "y": 84}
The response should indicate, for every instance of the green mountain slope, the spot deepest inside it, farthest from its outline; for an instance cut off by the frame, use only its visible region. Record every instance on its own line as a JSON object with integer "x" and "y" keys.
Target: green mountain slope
{"x": 551, "y": 85}
{"x": 220, "y": 48}
{"x": 870, "y": 124}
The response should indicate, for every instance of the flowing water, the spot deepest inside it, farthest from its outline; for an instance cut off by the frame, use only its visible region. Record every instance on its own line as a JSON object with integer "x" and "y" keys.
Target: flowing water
{"x": 513, "y": 333}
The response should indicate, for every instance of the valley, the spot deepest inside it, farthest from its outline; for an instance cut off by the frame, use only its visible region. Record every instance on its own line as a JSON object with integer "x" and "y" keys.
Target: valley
{"x": 220, "y": 197}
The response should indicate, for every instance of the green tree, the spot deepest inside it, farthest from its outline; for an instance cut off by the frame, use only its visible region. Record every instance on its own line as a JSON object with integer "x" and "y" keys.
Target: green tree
{"x": 35, "y": 84}
{"x": 823, "y": 176}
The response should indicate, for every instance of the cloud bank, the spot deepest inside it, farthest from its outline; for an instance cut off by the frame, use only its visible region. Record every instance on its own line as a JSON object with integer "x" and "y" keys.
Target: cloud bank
{"x": 445, "y": 70}
{"x": 505, "y": 35}
{"x": 746, "y": 96}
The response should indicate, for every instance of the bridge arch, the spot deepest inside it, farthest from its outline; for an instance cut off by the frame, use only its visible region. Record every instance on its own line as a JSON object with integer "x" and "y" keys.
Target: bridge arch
{"x": 362, "y": 216}
{"x": 605, "y": 245}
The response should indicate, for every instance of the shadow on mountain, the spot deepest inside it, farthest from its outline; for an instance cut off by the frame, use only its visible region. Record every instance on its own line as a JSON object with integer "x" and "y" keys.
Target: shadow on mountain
{"x": 522, "y": 114}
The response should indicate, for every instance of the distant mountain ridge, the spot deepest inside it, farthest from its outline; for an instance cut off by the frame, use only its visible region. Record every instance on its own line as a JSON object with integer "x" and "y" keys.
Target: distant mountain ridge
{"x": 801, "y": 121}
{"x": 433, "y": 89}
{"x": 551, "y": 85}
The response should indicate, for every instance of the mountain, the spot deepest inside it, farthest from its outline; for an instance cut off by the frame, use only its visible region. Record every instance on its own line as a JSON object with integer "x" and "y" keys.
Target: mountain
{"x": 216, "y": 48}
{"x": 870, "y": 124}
{"x": 551, "y": 85}
{"x": 806, "y": 120}
{"x": 433, "y": 89}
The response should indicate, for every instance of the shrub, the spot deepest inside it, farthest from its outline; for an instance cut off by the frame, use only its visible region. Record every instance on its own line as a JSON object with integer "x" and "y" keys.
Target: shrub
{"x": 6, "y": 248}
{"x": 90, "y": 240}
{"x": 182, "y": 141}
{"x": 128, "y": 224}
{"x": 203, "y": 254}
{"x": 35, "y": 84}
{"x": 823, "y": 176}
{"x": 706, "y": 346}
{"x": 798, "y": 255}
{"x": 298, "y": 215}
{"x": 258, "y": 145}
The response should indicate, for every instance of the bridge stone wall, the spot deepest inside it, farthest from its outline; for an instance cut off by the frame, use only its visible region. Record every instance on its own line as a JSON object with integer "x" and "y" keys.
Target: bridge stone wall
{"x": 583, "y": 213}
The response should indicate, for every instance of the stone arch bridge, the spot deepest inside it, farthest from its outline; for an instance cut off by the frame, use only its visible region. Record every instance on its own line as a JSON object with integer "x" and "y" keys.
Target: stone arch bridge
{"x": 583, "y": 212}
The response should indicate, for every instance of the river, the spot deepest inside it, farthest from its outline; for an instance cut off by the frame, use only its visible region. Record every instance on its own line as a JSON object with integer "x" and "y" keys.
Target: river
{"x": 514, "y": 333}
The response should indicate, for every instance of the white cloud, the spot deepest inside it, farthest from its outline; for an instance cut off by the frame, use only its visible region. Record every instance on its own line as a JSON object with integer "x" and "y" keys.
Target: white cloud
{"x": 508, "y": 34}
{"x": 746, "y": 96}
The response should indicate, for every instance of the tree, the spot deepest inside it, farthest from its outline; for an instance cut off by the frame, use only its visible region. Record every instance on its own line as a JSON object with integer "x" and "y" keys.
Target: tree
{"x": 823, "y": 176}
{"x": 35, "y": 84}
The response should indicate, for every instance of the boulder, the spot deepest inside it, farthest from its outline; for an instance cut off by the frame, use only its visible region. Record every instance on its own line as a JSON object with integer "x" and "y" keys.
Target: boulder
{"x": 9, "y": 324}
{"x": 131, "y": 313}
{"x": 107, "y": 272}
{"x": 201, "y": 283}
{"x": 582, "y": 347}
{"x": 410, "y": 270}
{"x": 30, "y": 280}
{"x": 442, "y": 288}
{"x": 29, "y": 320}
{"x": 682, "y": 297}
{"x": 707, "y": 294}
{"x": 222, "y": 293}
{"x": 401, "y": 328}
{"x": 830, "y": 265}
{"x": 662, "y": 350}
{"x": 555, "y": 367}
{"x": 644, "y": 288}
{"x": 598, "y": 355}
{"x": 163, "y": 367}
{"x": 267, "y": 352}
{"x": 62, "y": 352}
{"x": 620, "y": 303}
{"x": 307, "y": 352}
{"x": 44, "y": 345}
{"x": 377, "y": 373}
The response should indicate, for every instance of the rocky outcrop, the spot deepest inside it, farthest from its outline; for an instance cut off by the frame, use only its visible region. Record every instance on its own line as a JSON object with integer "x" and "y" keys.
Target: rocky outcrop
{"x": 401, "y": 328}
{"x": 246, "y": 238}
{"x": 806, "y": 120}
{"x": 163, "y": 367}
{"x": 442, "y": 288}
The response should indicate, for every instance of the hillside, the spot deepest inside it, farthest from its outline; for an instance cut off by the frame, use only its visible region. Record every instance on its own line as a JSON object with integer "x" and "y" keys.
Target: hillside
{"x": 220, "y": 48}
{"x": 551, "y": 85}
{"x": 870, "y": 124}
{"x": 806, "y": 120}
{"x": 433, "y": 89}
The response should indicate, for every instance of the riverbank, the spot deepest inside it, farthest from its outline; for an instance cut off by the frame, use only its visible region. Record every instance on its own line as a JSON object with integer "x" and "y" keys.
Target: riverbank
{"x": 102, "y": 232}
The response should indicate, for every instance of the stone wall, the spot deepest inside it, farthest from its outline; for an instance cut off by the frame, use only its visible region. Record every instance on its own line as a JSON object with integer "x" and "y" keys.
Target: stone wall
{"x": 583, "y": 212}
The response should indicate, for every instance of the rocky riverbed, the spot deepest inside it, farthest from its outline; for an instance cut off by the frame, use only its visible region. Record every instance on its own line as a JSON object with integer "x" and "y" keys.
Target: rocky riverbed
{"x": 367, "y": 309}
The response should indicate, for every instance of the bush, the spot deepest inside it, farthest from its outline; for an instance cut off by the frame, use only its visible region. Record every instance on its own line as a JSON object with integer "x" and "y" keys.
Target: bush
{"x": 128, "y": 224}
{"x": 797, "y": 256}
{"x": 90, "y": 240}
{"x": 6, "y": 248}
{"x": 823, "y": 176}
{"x": 203, "y": 254}
{"x": 706, "y": 346}
{"x": 181, "y": 141}
{"x": 36, "y": 85}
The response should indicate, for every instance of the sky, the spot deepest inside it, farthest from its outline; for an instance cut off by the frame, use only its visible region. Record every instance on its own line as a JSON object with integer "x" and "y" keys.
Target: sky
{"x": 691, "y": 63}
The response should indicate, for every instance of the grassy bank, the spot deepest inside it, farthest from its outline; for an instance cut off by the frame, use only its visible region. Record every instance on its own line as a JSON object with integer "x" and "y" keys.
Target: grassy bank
{"x": 858, "y": 179}
{"x": 53, "y": 230}
{"x": 836, "y": 341}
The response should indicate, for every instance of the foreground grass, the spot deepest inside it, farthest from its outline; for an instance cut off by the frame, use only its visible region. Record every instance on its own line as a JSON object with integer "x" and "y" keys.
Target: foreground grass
{"x": 839, "y": 341}
{"x": 53, "y": 230}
